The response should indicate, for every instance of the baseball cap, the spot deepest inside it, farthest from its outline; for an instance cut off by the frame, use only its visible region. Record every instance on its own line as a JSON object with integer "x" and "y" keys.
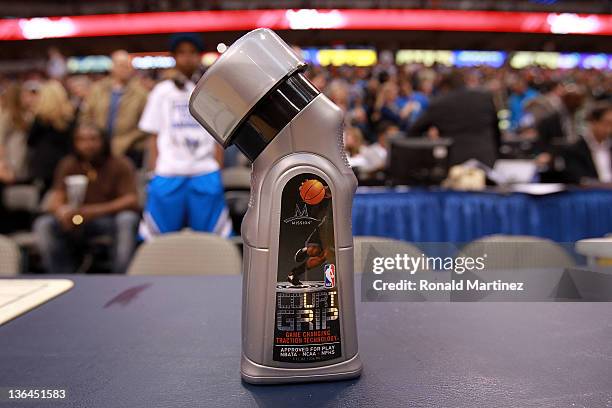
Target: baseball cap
{"x": 193, "y": 38}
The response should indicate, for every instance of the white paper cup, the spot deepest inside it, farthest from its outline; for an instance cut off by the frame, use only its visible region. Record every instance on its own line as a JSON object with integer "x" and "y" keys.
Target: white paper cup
{"x": 76, "y": 187}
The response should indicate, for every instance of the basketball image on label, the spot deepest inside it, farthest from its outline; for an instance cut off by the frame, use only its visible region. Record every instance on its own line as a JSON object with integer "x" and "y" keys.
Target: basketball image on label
{"x": 312, "y": 191}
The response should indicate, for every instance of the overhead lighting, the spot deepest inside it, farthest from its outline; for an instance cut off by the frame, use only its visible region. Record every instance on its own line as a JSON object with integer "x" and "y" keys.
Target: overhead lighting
{"x": 304, "y": 19}
{"x": 37, "y": 28}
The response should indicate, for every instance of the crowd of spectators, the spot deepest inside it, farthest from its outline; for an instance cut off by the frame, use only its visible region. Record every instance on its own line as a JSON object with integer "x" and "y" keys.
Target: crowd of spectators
{"x": 481, "y": 108}
{"x": 53, "y": 125}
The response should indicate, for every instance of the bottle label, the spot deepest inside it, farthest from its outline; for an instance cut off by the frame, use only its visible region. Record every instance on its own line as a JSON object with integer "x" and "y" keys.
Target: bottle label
{"x": 307, "y": 313}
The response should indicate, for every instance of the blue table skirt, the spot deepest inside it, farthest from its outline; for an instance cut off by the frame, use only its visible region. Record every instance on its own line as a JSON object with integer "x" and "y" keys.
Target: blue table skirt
{"x": 453, "y": 216}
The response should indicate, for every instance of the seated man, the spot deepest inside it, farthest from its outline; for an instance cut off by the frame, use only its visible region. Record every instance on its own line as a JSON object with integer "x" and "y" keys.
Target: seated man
{"x": 108, "y": 207}
{"x": 590, "y": 159}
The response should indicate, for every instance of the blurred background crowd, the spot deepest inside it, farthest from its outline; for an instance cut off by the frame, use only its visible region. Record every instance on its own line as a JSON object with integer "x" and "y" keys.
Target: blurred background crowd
{"x": 489, "y": 112}
{"x": 559, "y": 118}
{"x": 542, "y": 107}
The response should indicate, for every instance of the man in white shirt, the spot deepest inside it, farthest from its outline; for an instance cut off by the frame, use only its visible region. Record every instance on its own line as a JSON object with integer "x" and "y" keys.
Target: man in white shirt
{"x": 590, "y": 158}
{"x": 376, "y": 154}
{"x": 186, "y": 189}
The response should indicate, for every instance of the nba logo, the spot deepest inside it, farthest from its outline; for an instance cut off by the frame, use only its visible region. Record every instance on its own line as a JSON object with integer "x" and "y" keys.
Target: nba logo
{"x": 330, "y": 275}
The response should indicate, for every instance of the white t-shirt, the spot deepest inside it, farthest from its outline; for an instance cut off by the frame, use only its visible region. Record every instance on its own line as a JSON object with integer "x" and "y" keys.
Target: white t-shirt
{"x": 184, "y": 147}
{"x": 375, "y": 156}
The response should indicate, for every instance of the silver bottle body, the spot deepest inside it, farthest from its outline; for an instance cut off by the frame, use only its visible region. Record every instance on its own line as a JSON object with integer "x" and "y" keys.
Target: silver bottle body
{"x": 310, "y": 143}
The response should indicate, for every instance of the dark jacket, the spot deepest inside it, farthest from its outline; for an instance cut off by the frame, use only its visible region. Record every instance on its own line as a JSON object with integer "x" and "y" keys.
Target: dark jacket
{"x": 577, "y": 163}
{"x": 469, "y": 117}
{"x": 47, "y": 147}
{"x": 550, "y": 128}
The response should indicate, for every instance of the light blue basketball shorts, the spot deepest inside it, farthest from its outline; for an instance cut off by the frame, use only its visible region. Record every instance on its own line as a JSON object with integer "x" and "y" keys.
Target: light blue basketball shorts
{"x": 195, "y": 202}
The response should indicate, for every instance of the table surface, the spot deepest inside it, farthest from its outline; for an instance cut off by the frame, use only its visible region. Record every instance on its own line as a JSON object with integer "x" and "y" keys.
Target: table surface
{"x": 165, "y": 341}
